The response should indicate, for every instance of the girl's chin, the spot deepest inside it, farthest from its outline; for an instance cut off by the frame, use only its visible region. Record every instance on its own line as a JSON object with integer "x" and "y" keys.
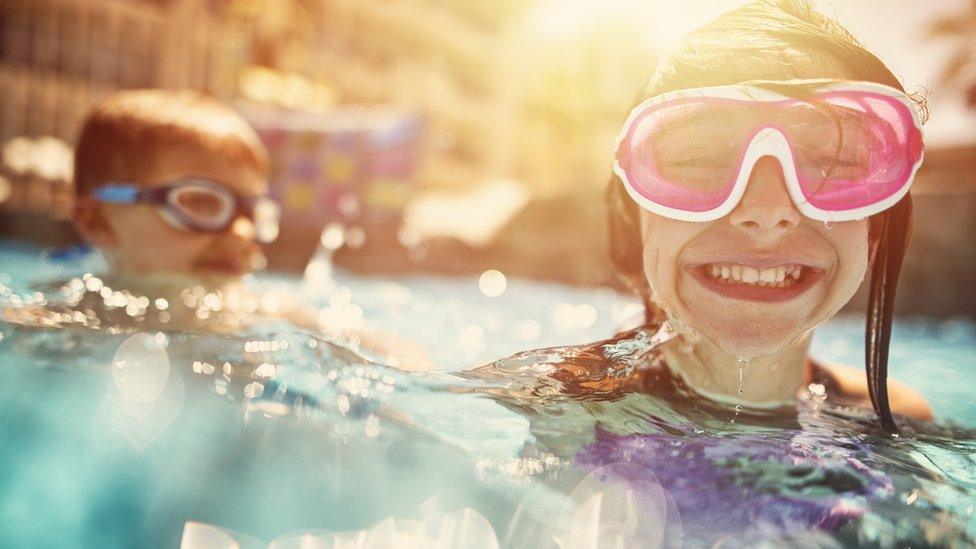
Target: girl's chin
{"x": 752, "y": 350}
{"x": 752, "y": 339}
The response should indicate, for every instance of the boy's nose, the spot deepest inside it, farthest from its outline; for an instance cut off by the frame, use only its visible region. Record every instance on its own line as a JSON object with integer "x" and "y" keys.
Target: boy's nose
{"x": 766, "y": 206}
{"x": 243, "y": 228}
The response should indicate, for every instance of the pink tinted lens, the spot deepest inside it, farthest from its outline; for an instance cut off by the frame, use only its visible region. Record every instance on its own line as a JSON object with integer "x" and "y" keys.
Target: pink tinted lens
{"x": 866, "y": 155}
{"x": 683, "y": 154}
{"x": 851, "y": 148}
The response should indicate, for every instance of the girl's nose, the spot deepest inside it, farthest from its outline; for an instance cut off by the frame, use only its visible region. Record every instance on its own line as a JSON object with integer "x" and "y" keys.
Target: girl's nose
{"x": 766, "y": 206}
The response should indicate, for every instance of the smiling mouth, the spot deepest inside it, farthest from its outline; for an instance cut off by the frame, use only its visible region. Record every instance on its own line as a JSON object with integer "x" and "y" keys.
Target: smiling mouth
{"x": 769, "y": 283}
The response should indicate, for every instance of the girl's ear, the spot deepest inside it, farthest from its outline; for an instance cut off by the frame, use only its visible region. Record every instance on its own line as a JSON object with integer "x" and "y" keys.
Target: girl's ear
{"x": 91, "y": 222}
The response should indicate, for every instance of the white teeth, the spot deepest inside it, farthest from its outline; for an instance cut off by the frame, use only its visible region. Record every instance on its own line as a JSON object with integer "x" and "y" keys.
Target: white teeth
{"x": 780, "y": 276}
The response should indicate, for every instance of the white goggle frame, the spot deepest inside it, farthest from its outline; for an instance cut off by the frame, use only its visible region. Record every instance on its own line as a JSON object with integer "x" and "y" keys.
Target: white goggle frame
{"x": 768, "y": 141}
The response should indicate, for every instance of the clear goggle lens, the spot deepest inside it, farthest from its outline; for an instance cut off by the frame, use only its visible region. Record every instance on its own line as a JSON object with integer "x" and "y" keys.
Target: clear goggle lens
{"x": 209, "y": 207}
{"x": 206, "y": 205}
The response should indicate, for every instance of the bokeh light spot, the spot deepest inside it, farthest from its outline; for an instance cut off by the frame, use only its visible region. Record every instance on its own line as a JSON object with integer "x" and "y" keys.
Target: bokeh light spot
{"x": 492, "y": 283}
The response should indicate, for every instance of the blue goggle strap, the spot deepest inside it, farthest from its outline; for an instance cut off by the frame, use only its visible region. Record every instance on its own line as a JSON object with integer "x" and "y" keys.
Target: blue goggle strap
{"x": 128, "y": 193}
{"x": 117, "y": 193}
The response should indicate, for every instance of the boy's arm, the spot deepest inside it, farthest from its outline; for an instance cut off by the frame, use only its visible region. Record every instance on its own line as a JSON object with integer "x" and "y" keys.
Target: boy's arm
{"x": 397, "y": 351}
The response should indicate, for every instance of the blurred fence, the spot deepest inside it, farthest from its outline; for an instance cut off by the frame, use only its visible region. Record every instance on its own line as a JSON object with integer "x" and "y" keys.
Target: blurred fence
{"x": 58, "y": 57}
{"x": 366, "y": 104}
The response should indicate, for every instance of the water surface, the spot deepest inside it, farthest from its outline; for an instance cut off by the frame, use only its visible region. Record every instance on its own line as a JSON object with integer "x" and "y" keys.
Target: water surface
{"x": 144, "y": 436}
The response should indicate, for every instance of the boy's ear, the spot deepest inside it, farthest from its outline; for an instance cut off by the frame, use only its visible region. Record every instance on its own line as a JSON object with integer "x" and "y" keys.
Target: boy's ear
{"x": 92, "y": 223}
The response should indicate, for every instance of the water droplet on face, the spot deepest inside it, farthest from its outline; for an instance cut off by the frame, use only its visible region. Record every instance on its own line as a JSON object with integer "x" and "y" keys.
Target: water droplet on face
{"x": 738, "y": 410}
{"x": 742, "y": 372}
{"x": 828, "y": 225}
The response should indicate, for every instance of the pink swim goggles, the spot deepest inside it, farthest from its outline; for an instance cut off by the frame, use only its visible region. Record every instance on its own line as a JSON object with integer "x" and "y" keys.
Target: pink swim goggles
{"x": 849, "y": 150}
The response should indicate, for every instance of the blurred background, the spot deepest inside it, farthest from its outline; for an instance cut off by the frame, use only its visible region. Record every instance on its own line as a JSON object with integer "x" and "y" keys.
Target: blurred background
{"x": 445, "y": 136}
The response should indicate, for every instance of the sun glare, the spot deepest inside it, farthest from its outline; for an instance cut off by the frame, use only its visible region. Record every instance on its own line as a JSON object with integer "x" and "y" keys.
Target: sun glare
{"x": 664, "y": 22}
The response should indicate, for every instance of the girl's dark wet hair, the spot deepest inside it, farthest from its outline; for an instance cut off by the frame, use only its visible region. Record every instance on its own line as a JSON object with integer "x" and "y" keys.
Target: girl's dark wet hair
{"x": 776, "y": 40}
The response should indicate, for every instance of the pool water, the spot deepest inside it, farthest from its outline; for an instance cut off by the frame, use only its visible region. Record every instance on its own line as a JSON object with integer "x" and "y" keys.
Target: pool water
{"x": 277, "y": 436}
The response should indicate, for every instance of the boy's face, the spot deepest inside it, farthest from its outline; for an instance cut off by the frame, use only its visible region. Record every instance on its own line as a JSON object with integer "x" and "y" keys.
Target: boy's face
{"x": 138, "y": 240}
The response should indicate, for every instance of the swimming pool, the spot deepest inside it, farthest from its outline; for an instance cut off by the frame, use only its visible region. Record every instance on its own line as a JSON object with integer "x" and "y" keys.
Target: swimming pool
{"x": 280, "y": 437}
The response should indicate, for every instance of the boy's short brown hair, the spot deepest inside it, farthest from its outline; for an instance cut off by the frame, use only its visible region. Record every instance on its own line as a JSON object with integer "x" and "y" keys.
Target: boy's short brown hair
{"x": 122, "y": 133}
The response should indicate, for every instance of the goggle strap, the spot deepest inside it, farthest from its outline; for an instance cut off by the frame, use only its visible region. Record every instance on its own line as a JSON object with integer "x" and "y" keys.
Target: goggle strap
{"x": 172, "y": 212}
{"x": 117, "y": 193}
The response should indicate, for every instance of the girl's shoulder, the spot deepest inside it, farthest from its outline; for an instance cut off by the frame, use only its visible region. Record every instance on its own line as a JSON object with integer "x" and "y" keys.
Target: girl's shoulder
{"x": 849, "y": 384}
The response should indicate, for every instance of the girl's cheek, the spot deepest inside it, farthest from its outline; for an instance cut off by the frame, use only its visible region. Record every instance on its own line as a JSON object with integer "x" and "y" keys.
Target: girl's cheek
{"x": 663, "y": 242}
{"x": 850, "y": 243}
{"x": 655, "y": 232}
{"x": 661, "y": 276}
{"x": 652, "y": 264}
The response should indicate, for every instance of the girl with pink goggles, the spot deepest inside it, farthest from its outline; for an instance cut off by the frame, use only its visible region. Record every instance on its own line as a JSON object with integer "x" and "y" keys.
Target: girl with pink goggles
{"x": 848, "y": 150}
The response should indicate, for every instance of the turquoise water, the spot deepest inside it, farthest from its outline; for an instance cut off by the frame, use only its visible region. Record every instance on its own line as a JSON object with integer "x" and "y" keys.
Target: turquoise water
{"x": 147, "y": 437}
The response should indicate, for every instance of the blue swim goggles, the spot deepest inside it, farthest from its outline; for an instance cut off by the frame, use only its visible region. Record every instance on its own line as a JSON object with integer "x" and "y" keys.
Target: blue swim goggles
{"x": 196, "y": 204}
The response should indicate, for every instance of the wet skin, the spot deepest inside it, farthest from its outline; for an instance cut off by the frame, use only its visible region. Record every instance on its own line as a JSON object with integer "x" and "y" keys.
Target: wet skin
{"x": 138, "y": 240}
{"x": 767, "y": 329}
{"x": 765, "y": 229}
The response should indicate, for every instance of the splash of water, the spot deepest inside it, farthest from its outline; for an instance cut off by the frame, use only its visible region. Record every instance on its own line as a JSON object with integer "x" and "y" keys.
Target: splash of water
{"x": 317, "y": 278}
